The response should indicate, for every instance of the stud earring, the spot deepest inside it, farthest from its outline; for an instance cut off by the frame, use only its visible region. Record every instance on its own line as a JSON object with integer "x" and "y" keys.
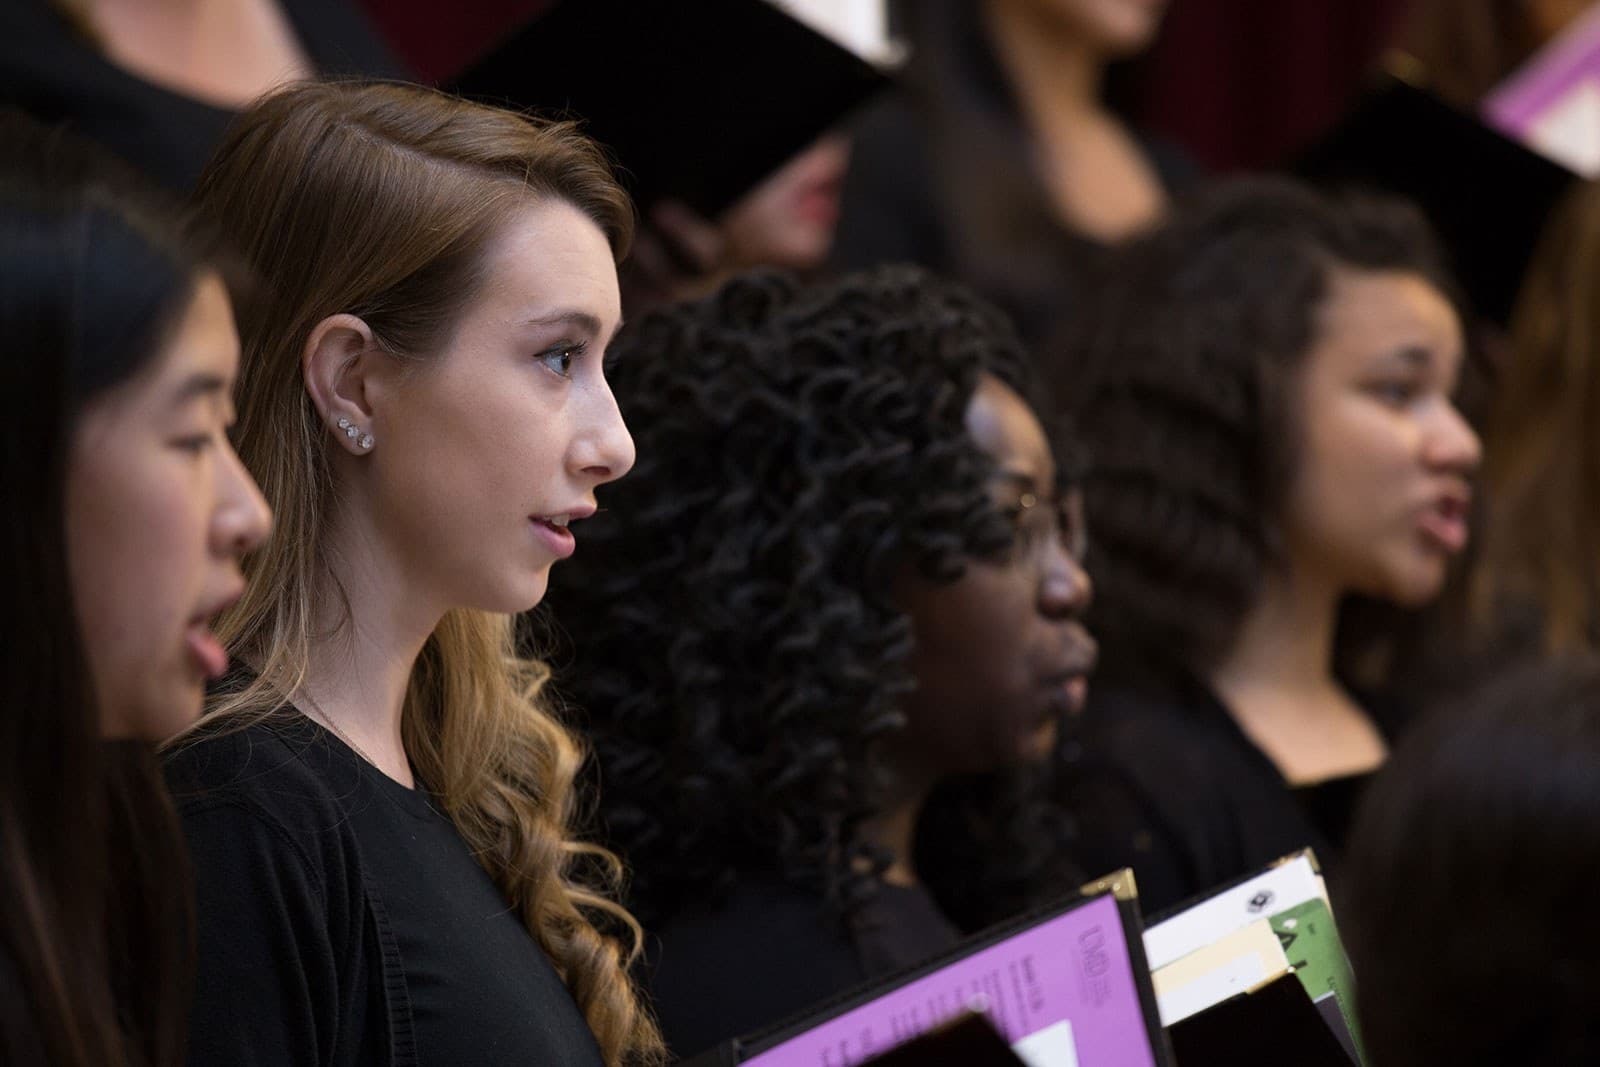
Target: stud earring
{"x": 366, "y": 441}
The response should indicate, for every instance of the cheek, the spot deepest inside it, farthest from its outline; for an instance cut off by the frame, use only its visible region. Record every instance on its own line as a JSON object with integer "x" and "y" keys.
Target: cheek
{"x": 137, "y": 533}
{"x": 460, "y": 474}
{"x": 1357, "y": 472}
{"x": 972, "y": 662}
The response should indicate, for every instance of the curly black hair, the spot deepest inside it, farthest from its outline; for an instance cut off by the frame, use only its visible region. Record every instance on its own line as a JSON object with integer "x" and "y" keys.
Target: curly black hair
{"x": 1191, "y": 362}
{"x": 735, "y": 651}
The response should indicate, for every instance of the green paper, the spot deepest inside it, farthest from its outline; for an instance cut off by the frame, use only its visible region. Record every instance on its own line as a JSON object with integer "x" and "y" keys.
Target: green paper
{"x": 1311, "y": 942}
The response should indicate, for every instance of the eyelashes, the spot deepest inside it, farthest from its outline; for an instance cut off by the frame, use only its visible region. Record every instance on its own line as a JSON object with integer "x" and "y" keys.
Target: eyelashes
{"x": 559, "y": 359}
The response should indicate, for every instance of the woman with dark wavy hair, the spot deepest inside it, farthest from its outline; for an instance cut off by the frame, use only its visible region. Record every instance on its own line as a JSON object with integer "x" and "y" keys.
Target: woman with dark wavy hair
{"x": 1274, "y": 435}
{"x": 127, "y": 512}
{"x": 844, "y": 572}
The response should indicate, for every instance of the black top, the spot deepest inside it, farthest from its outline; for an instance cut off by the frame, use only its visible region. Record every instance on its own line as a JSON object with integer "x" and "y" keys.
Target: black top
{"x": 1173, "y": 788}
{"x": 343, "y": 920}
{"x": 47, "y": 69}
{"x": 943, "y": 174}
{"x": 20, "y": 1039}
{"x": 773, "y": 950}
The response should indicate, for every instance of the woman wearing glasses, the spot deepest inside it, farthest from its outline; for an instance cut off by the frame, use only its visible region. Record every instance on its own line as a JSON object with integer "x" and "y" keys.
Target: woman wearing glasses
{"x": 837, "y": 579}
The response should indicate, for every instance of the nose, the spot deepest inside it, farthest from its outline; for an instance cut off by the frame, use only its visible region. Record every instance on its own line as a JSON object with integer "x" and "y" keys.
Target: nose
{"x": 603, "y": 450}
{"x": 1065, "y": 589}
{"x": 243, "y": 519}
{"x": 1452, "y": 444}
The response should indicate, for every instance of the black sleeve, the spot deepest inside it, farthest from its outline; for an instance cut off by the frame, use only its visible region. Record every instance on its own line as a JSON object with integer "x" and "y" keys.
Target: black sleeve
{"x": 280, "y": 923}
{"x": 20, "y": 1039}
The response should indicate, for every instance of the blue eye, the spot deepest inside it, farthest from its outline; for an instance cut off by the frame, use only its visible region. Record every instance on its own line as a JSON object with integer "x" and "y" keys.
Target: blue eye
{"x": 561, "y": 358}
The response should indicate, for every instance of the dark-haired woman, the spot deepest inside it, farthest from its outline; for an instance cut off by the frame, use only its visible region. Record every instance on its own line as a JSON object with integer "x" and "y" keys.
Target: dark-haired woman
{"x": 128, "y": 511}
{"x": 1274, "y": 435}
{"x": 1468, "y": 903}
{"x": 999, "y": 162}
{"x": 844, "y": 572}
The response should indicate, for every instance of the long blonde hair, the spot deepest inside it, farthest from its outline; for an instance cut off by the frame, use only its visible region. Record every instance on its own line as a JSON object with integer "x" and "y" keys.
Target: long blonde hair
{"x": 378, "y": 200}
{"x": 1541, "y": 548}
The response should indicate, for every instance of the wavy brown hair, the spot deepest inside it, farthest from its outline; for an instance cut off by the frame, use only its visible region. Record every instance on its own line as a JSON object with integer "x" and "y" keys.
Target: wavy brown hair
{"x": 378, "y": 200}
{"x": 1541, "y": 546}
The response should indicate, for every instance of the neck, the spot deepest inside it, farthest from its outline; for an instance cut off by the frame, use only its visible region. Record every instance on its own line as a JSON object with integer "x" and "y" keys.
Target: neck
{"x": 894, "y": 827}
{"x": 359, "y": 676}
{"x": 1285, "y": 645}
{"x": 1056, "y": 76}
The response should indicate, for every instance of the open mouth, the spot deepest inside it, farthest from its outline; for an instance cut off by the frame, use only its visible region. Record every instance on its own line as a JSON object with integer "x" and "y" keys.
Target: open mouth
{"x": 1445, "y": 523}
{"x": 205, "y": 650}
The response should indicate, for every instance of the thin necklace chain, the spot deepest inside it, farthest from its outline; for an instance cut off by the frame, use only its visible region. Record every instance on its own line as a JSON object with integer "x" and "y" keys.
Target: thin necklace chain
{"x": 327, "y": 720}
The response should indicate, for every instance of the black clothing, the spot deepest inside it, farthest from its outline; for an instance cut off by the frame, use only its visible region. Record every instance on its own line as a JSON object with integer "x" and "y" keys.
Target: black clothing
{"x": 1173, "y": 788}
{"x": 20, "y": 1038}
{"x": 773, "y": 950}
{"x": 50, "y": 71}
{"x": 943, "y": 174}
{"x": 342, "y": 919}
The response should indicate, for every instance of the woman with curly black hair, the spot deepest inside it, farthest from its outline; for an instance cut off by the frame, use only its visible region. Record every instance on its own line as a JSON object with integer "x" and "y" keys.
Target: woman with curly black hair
{"x": 844, "y": 571}
{"x": 1274, "y": 435}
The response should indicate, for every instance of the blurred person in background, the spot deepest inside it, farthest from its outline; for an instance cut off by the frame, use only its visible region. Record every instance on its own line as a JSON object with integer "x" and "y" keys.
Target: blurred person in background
{"x": 999, "y": 163}
{"x": 1468, "y": 900}
{"x": 1274, "y": 437}
{"x": 157, "y": 81}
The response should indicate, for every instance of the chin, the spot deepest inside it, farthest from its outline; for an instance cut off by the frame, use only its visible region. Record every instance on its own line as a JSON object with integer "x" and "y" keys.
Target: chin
{"x": 1412, "y": 587}
{"x": 516, "y": 595}
{"x": 1036, "y": 746}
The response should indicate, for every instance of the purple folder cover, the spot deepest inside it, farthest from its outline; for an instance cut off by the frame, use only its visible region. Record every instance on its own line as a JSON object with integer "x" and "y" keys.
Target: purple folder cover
{"x": 1073, "y": 968}
{"x": 1563, "y": 66}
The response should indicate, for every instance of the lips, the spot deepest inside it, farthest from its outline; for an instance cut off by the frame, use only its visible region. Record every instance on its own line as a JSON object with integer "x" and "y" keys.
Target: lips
{"x": 1068, "y": 686}
{"x": 205, "y": 651}
{"x": 552, "y": 529}
{"x": 1444, "y": 523}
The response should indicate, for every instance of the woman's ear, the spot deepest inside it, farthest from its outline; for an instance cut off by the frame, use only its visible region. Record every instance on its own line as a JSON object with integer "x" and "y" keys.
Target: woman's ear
{"x": 338, "y": 359}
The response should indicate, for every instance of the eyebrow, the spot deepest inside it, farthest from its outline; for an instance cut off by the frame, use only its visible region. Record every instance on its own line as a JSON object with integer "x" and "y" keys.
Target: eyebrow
{"x": 197, "y": 385}
{"x": 1413, "y": 355}
{"x": 1021, "y": 480}
{"x": 581, "y": 319}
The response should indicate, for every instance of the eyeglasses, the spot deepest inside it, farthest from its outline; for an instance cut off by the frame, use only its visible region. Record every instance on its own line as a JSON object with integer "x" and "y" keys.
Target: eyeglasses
{"x": 1043, "y": 521}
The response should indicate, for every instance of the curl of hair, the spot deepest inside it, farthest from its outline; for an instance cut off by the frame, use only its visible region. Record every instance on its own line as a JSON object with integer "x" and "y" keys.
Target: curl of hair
{"x": 1190, "y": 412}
{"x": 95, "y": 272}
{"x": 379, "y": 200}
{"x": 735, "y": 644}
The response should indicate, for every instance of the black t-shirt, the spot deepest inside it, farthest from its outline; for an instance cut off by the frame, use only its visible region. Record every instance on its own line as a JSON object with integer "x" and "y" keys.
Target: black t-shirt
{"x": 56, "y": 75}
{"x": 772, "y": 950}
{"x": 1172, "y": 787}
{"x": 343, "y": 920}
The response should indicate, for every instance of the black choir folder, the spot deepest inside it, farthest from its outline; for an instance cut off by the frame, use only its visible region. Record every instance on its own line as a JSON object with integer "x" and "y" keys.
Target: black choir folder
{"x": 1067, "y": 986}
{"x": 1253, "y": 974}
{"x": 699, "y": 100}
{"x": 1486, "y": 195}
{"x": 969, "y": 1041}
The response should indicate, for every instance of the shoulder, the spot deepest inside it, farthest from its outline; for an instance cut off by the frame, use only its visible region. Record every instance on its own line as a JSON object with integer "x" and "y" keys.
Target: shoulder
{"x": 277, "y": 788}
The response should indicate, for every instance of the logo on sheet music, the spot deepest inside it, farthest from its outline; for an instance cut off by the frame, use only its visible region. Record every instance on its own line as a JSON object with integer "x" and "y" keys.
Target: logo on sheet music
{"x": 1094, "y": 965}
{"x": 1261, "y": 901}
